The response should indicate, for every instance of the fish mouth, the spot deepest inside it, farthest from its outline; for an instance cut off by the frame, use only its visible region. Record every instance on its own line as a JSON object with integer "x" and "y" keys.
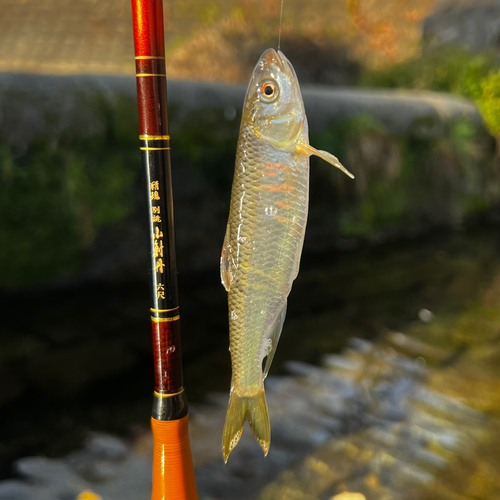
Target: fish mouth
{"x": 284, "y": 61}
{"x": 286, "y": 65}
{"x": 270, "y": 56}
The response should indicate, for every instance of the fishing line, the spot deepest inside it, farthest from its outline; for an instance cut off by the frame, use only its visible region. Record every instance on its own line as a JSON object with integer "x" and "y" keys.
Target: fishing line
{"x": 281, "y": 22}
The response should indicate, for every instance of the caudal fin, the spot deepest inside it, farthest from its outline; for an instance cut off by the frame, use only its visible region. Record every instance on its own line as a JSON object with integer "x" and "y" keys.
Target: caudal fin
{"x": 253, "y": 409}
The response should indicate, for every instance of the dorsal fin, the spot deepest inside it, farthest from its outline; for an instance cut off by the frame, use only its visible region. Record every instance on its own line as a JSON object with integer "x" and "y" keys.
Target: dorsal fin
{"x": 273, "y": 339}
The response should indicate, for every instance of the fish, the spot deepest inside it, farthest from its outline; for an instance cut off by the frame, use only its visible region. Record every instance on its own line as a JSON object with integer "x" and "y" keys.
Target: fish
{"x": 264, "y": 236}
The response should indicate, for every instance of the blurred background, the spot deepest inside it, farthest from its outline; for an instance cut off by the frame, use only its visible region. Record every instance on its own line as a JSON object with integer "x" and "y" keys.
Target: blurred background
{"x": 386, "y": 382}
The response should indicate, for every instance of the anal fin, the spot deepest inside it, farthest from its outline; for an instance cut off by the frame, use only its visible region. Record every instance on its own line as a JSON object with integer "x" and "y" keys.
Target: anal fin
{"x": 226, "y": 273}
{"x": 273, "y": 339}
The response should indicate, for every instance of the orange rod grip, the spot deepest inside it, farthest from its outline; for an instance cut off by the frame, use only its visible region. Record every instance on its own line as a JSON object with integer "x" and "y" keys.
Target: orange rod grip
{"x": 173, "y": 474}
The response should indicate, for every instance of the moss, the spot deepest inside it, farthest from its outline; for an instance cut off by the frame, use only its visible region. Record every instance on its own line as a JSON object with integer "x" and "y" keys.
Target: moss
{"x": 206, "y": 143}
{"x": 404, "y": 182}
{"x": 63, "y": 187}
{"x": 57, "y": 192}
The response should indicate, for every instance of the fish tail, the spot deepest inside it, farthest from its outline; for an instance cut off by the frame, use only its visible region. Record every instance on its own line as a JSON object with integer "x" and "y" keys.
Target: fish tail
{"x": 251, "y": 408}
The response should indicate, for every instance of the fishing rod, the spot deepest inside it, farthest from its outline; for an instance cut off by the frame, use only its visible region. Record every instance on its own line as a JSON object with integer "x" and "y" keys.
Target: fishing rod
{"x": 173, "y": 474}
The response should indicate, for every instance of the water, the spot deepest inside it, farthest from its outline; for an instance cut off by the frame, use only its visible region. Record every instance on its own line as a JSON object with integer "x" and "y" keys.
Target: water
{"x": 83, "y": 356}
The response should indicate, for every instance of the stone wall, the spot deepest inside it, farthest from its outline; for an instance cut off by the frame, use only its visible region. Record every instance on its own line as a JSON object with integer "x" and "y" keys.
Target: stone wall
{"x": 72, "y": 207}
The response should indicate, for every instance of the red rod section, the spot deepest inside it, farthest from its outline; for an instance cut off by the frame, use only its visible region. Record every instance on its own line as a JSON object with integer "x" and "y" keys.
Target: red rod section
{"x": 155, "y": 147}
{"x": 150, "y": 62}
{"x": 173, "y": 475}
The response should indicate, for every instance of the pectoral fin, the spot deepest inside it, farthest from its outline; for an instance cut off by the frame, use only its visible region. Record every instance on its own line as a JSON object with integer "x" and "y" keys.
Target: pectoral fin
{"x": 226, "y": 264}
{"x": 328, "y": 157}
{"x": 273, "y": 339}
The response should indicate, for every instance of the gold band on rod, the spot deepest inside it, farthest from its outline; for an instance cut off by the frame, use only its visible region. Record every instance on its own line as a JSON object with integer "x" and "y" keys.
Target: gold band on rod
{"x": 154, "y": 137}
{"x": 163, "y": 310}
{"x": 165, "y": 320}
{"x": 159, "y": 395}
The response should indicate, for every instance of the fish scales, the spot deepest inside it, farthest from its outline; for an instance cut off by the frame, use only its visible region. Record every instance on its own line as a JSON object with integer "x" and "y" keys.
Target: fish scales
{"x": 264, "y": 236}
{"x": 267, "y": 239}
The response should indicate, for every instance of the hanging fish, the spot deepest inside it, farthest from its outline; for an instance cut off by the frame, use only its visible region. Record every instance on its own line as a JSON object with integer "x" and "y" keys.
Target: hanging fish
{"x": 264, "y": 236}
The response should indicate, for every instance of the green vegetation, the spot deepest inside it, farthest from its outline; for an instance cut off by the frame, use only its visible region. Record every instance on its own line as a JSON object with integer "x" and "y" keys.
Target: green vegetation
{"x": 488, "y": 100}
{"x": 206, "y": 143}
{"x": 403, "y": 183}
{"x": 457, "y": 71}
{"x": 62, "y": 187}
{"x": 56, "y": 192}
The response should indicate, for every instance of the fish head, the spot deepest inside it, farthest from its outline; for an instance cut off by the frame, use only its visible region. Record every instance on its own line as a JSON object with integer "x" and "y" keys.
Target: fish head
{"x": 273, "y": 103}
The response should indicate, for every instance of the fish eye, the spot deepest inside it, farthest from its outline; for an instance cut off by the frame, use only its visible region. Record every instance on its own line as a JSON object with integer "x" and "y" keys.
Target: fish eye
{"x": 268, "y": 91}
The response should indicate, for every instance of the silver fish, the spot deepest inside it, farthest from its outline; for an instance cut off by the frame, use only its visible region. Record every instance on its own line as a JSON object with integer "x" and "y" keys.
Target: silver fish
{"x": 264, "y": 236}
